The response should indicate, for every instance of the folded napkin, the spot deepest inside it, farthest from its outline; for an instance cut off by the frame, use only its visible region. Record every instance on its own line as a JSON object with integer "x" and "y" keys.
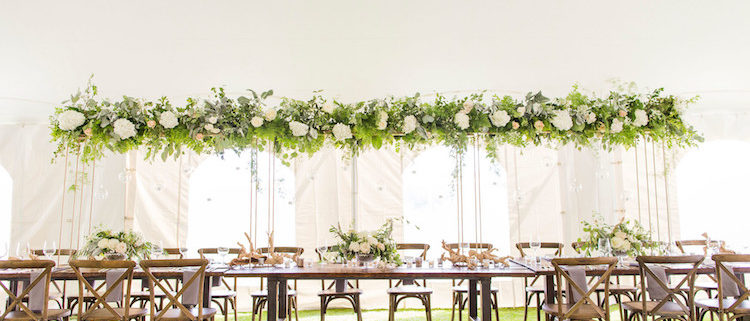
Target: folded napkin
{"x": 578, "y": 275}
{"x": 215, "y": 281}
{"x": 190, "y": 295}
{"x": 112, "y": 276}
{"x": 36, "y": 295}
{"x": 340, "y": 285}
{"x": 655, "y": 291}
{"x": 729, "y": 288}
{"x": 407, "y": 282}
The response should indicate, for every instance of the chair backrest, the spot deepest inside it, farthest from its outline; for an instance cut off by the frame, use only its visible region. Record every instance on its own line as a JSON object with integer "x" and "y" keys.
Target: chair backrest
{"x": 561, "y": 266}
{"x": 154, "y": 282}
{"x": 414, "y": 247}
{"x": 321, "y": 249}
{"x": 100, "y": 298}
{"x": 174, "y": 251}
{"x": 282, "y": 249}
{"x": 213, "y": 250}
{"x": 681, "y": 244}
{"x": 558, "y": 247}
{"x": 654, "y": 280}
{"x": 724, "y": 271}
{"x": 472, "y": 246}
{"x": 17, "y": 301}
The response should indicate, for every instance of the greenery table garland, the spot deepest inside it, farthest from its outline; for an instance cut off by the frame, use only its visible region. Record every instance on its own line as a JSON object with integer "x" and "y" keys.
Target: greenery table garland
{"x": 296, "y": 127}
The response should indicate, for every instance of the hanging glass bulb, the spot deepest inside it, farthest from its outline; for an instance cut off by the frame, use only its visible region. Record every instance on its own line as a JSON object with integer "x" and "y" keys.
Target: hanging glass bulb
{"x": 602, "y": 173}
{"x": 208, "y": 199}
{"x": 187, "y": 170}
{"x": 547, "y": 161}
{"x": 125, "y": 176}
{"x": 159, "y": 186}
{"x": 101, "y": 193}
{"x": 575, "y": 186}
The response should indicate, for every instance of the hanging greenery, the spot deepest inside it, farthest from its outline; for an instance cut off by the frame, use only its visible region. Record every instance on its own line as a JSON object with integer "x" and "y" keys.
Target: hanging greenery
{"x": 297, "y": 127}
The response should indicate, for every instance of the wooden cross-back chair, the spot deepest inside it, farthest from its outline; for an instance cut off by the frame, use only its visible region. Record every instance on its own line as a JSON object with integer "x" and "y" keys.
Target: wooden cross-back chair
{"x": 532, "y": 289}
{"x": 586, "y": 308}
{"x": 670, "y": 306}
{"x": 403, "y": 289}
{"x": 101, "y": 309}
{"x": 174, "y": 309}
{"x": 17, "y": 309}
{"x": 459, "y": 291}
{"x": 226, "y": 296}
{"x": 728, "y": 304}
{"x": 328, "y": 293}
{"x": 60, "y": 296}
{"x": 709, "y": 285}
{"x": 260, "y": 298}
{"x": 142, "y": 296}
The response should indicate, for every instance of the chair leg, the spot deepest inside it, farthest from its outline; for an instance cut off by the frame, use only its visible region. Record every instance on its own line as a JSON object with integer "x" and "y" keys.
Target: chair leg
{"x": 529, "y": 297}
{"x": 234, "y": 308}
{"x": 538, "y": 307}
{"x": 323, "y": 308}
{"x": 357, "y": 308}
{"x": 460, "y": 306}
{"x": 296, "y": 316}
{"x": 453, "y": 306}
{"x": 496, "y": 305}
{"x": 391, "y": 307}
{"x": 428, "y": 307}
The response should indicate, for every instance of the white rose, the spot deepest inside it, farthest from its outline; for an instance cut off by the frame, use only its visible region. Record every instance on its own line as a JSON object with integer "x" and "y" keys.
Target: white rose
{"x": 354, "y": 247}
{"x": 381, "y": 246}
{"x": 121, "y": 248}
{"x": 270, "y": 114}
{"x": 209, "y": 127}
{"x": 616, "y": 126}
{"x": 168, "y": 119}
{"x": 500, "y": 118}
{"x": 213, "y": 119}
{"x": 462, "y": 120}
{"x": 521, "y": 110}
{"x": 590, "y": 118}
{"x": 620, "y": 244}
{"x": 124, "y": 128}
{"x": 468, "y": 106}
{"x": 621, "y": 234}
{"x": 371, "y": 240}
{"x": 342, "y": 132}
{"x": 70, "y": 120}
{"x": 216, "y": 131}
{"x": 364, "y": 247}
{"x": 298, "y": 129}
{"x": 102, "y": 243}
{"x": 536, "y": 108}
{"x": 256, "y": 121}
{"x": 329, "y": 106}
{"x": 313, "y": 133}
{"x": 562, "y": 120}
{"x": 382, "y": 120}
{"x": 641, "y": 118}
{"x": 410, "y": 124}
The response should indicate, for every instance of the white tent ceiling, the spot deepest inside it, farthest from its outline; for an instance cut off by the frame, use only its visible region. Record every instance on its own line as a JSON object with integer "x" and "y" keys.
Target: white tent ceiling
{"x": 355, "y": 49}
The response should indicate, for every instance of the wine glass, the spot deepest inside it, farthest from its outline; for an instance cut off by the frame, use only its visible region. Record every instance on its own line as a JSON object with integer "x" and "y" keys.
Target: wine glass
{"x": 223, "y": 251}
{"x": 3, "y": 250}
{"x": 29, "y": 252}
{"x": 158, "y": 250}
{"x": 603, "y": 246}
{"x": 49, "y": 249}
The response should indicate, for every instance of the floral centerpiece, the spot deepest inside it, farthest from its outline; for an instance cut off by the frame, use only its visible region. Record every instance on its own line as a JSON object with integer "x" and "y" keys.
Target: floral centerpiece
{"x": 367, "y": 246}
{"x": 625, "y": 237}
{"x": 106, "y": 244}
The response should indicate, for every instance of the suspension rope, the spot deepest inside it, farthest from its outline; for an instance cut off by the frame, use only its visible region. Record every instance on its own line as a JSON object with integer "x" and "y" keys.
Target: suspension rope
{"x": 62, "y": 204}
{"x": 648, "y": 190}
{"x": 91, "y": 199}
{"x": 666, "y": 194}
{"x": 75, "y": 194}
{"x": 656, "y": 192}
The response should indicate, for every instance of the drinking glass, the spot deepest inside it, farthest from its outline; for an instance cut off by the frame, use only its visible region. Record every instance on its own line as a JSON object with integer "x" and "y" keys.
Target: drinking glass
{"x": 49, "y": 249}
{"x": 223, "y": 251}
{"x": 183, "y": 251}
{"x": 158, "y": 250}
{"x": 604, "y": 247}
{"x": 4, "y": 250}
{"x": 535, "y": 246}
{"x": 29, "y": 252}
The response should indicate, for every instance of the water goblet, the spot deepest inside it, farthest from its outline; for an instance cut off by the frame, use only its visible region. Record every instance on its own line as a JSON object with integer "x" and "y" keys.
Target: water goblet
{"x": 49, "y": 249}
{"x": 158, "y": 250}
{"x": 223, "y": 252}
{"x": 604, "y": 246}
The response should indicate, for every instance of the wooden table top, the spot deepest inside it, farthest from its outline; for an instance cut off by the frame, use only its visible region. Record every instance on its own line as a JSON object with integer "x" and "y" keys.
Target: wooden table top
{"x": 630, "y": 268}
{"x": 333, "y": 271}
{"x": 67, "y": 273}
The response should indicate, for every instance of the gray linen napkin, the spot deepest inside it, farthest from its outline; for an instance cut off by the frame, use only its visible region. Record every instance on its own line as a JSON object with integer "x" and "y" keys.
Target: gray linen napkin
{"x": 578, "y": 275}
{"x": 112, "y": 276}
{"x": 656, "y": 292}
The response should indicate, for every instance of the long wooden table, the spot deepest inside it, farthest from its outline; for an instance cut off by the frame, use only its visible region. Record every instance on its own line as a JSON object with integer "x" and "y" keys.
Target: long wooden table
{"x": 277, "y": 279}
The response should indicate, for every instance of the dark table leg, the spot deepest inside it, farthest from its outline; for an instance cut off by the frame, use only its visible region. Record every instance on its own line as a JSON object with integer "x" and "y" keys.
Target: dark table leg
{"x": 273, "y": 298}
{"x": 472, "y": 299}
{"x": 549, "y": 291}
{"x": 206, "y": 292}
{"x": 282, "y": 299}
{"x": 486, "y": 299}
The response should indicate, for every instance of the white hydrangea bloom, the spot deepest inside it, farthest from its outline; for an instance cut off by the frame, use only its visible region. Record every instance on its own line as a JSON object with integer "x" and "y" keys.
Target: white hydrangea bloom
{"x": 616, "y": 126}
{"x": 329, "y": 106}
{"x": 298, "y": 129}
{"x": 382, "y": 120}
{"x": 500, "y": 118}
{"x": 70, "y": 120}
{"x": 342, "y": 131}
{"x": 468, "y": 106}
{"x": 168, "y": 120}
{"x": 256, "y": 121}
{"x": 562, "y": 120}
{"x": 641, "y": 118}
{"x": 461, "y": 120}
{"x": 270, "y": 114}
{"x": 410, "y": 124}
{"x": 124, "y": 128}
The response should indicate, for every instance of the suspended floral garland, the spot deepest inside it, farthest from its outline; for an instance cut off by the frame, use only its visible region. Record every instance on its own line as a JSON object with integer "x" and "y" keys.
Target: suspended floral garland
{"x": 297, "y": 127}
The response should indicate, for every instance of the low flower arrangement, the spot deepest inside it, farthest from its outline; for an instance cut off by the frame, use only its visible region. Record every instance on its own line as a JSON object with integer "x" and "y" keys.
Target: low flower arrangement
{"x": 627, "y": 237}
{"x": 107, "y": 244}
{"x": 370, "y": 245}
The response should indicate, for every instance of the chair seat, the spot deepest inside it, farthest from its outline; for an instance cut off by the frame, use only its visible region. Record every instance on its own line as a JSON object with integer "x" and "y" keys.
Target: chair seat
{"x": 146, "y": 294}
{"x": 409, "y": 290}
{"x": 584, "y": 312}
{"x": 713, "y": 304}
{"x": 618, "y": 288}
{"x": 348, "y": 291}
{"x": 535, "y": 289}
{"x": 177, "y": 314}
{"x": 52, "y": 314}
{"x": 668, "y": 309}
{"x": 223, "y": 294}
{"x": 707, "y": 286}
{"x": 264, "y": 293}
{"x": 105, "y": 314}
{"x": 465, "y": 289}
